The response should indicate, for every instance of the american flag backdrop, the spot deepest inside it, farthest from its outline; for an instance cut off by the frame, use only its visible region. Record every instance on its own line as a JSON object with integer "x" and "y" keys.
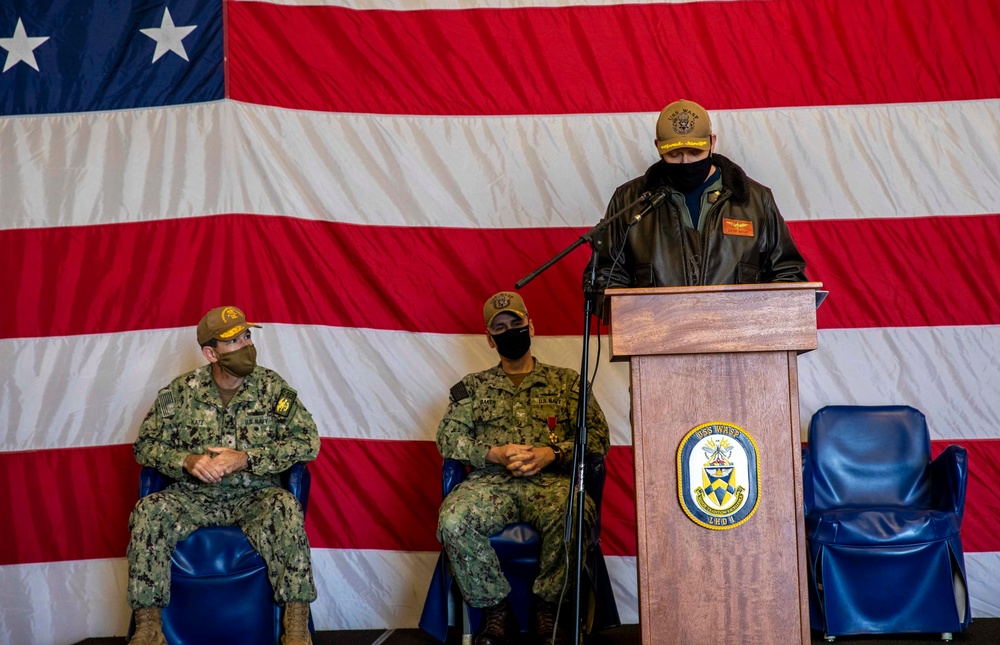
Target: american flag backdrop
{"x": 359, "y": 175}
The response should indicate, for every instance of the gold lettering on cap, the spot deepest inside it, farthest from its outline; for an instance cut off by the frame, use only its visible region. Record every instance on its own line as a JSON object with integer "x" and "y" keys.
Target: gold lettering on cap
{"x": 232, "y": 332}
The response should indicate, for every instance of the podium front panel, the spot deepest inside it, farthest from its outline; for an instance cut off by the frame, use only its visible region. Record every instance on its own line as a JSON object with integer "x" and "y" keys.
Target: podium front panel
{"x": 745, "y": 584}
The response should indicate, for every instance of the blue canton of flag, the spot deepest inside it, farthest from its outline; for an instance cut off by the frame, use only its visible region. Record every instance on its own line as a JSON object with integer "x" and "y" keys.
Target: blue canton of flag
{"x": 85, "y": 55}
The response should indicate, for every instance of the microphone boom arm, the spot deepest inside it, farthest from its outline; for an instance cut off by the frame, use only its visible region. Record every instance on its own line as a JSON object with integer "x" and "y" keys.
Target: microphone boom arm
{"x": 652, "y": 201}
{"x": 577, "y": 489}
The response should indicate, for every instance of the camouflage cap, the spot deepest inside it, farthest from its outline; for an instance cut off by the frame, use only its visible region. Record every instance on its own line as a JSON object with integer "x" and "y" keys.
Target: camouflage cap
{"x": 222, "y": 323}
{"x": 504, "y": 301}
{"x": 683, "y": 124}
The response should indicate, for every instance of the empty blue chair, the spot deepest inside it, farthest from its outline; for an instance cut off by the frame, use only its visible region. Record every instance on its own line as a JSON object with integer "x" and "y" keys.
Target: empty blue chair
{"x": 219, "y": 590}
{"x": 518, "y": 546}
{"x": 882, "y": 524}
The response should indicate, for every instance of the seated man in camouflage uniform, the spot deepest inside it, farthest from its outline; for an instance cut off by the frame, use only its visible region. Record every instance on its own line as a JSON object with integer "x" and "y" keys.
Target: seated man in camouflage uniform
{"x": 515, "y": 425}
{"x": 225, "y": 432}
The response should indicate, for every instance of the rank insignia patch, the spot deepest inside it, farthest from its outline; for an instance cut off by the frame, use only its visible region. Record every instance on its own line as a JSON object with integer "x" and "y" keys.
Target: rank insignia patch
{"x": 718, "y": 471}
{"x": 285, "y": 402}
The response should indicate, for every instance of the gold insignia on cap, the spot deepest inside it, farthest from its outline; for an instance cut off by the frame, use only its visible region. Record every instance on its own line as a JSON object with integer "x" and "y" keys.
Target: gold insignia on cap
{"x": 501, "y": 300}
{"x": 683, "y": 121}
{"x": 230, "y": 313}
{"x": 232, "y": 332}
{"x": 683, "y": 144}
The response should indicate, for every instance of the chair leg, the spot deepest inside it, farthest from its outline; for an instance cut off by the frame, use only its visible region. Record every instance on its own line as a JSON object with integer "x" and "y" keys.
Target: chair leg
{"x": 466, "y": 623}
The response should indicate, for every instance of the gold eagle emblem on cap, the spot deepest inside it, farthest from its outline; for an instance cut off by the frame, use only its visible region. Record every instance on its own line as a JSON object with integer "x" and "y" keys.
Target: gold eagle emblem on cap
{"x": 683, "y": 121}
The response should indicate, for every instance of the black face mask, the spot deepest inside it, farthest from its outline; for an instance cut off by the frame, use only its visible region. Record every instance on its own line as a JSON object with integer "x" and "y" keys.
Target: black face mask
{"x": 513, "y": 343}
{"x": 685, "y": 177}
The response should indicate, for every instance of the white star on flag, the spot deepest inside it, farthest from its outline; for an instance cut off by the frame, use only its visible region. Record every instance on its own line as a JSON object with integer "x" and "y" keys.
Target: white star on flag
{"x": 168, "y": 37}
{"x": 21, "y": 48}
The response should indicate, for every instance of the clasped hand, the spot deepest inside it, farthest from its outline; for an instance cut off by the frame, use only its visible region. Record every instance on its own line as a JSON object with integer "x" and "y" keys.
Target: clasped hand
{"x": 522, "y": 460}
{"x": 211, "y": 468}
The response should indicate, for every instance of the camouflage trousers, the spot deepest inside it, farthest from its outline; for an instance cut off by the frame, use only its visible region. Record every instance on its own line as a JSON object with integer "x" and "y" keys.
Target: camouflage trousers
{"x": 271, "y": 518}
{"x": 481, "y": 506}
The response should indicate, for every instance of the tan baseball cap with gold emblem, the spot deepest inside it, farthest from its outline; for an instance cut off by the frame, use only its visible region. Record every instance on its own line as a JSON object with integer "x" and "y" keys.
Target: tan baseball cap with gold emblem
{"x": 683, "y": 124}
{"x": 222, "y": 323}
{"x": 504, "y": 301}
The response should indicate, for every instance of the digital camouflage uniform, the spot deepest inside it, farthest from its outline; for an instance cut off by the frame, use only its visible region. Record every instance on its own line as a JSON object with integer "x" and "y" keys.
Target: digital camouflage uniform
{"x": 265, "y": 420}
{"x": 486, "y": 409}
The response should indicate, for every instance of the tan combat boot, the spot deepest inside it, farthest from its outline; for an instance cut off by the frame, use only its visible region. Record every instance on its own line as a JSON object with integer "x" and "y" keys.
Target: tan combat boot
{"x": 148, "y": 627}
{"x": 296, "y": 624}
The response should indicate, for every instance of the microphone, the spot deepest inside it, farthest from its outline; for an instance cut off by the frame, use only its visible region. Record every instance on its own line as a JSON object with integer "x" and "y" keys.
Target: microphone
{"x": 652, "y": 199}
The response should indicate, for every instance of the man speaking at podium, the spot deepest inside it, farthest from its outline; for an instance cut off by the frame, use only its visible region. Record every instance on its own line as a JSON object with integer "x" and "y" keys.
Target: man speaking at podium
{"x": 713, "y": 224}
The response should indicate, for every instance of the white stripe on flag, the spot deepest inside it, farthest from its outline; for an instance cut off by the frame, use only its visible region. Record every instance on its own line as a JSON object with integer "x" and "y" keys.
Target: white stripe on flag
{"x": 110, "y": 381}
{"x": 478, "y": 172}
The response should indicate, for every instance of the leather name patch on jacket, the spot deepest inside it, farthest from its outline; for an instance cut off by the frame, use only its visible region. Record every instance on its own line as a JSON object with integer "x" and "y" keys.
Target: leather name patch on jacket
{"x": 737, "y": 227}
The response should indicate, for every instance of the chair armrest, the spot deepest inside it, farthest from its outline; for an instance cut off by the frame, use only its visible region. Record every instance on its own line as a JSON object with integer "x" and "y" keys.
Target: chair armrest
{"x": 949, "y": 476}
{"x": 152, "y": 481}
{"x": 807, "y": 481}
{"x": 297, "y": 480}
{"x": 453, "y": 473}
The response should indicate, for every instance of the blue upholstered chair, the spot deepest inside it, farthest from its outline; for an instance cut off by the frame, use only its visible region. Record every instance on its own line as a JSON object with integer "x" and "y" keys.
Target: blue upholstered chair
{"x": 882, "y": 524}
{"x": 219, "y": 590}
{"x": 518, "y": 546}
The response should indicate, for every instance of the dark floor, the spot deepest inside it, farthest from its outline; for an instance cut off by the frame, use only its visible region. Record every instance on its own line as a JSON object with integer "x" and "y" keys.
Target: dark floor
{"x": 983, "y": 631}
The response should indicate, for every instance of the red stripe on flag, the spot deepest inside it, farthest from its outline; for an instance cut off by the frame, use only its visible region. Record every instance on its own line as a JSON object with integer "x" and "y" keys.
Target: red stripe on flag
{"x": 167, "y": 273}
{"x": 68, "y": 504}
{"x": 623, "y": 58}
{"x": 902, "y": 272}
{"x": 73, "y": 504}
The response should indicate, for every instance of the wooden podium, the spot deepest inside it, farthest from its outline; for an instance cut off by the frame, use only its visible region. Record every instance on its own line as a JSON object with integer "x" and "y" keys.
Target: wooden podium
{"x": 700, "y": 356}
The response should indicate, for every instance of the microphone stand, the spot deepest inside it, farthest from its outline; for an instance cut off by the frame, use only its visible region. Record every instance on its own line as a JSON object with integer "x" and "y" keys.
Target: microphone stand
{"x": 578, "y": 493}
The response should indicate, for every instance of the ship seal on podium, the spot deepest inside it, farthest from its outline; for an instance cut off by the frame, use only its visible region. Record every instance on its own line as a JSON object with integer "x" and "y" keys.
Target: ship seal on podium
{"x": 718, "y": 471}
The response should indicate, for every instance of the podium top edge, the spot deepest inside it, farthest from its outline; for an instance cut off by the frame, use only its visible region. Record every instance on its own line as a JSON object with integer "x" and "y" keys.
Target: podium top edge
{"x": 766, "y": 286}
